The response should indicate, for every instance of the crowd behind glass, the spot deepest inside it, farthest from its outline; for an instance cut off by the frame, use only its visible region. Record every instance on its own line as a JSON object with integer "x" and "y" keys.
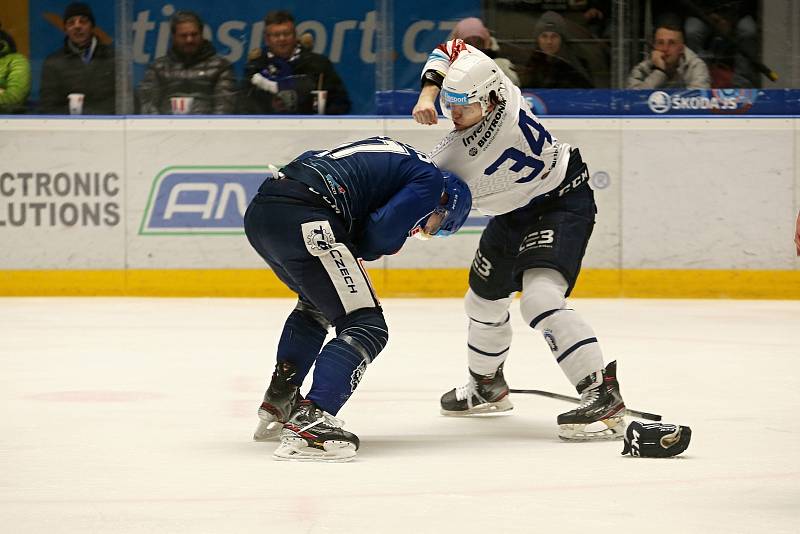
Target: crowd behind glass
{"x": 554, "y": 45}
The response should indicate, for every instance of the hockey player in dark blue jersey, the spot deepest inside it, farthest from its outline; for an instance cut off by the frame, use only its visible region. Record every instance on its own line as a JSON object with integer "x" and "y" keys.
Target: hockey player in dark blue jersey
{"x": 313, "y": 223}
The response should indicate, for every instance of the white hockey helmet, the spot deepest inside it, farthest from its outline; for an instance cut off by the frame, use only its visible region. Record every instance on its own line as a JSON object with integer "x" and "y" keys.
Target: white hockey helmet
{"x": 471, "y": 78}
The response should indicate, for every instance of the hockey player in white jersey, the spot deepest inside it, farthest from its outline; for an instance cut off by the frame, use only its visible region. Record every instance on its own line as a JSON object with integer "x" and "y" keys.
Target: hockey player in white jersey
{"x": 536, "y": 188}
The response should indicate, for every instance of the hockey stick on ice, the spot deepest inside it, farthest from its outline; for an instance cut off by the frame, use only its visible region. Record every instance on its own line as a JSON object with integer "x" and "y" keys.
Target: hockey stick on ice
{"x": 576, "y": 400}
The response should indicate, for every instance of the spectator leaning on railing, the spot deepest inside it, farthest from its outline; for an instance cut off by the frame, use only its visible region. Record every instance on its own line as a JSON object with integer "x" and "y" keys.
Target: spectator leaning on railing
{"x": 15, "y": 76}
{"x": 83, "y": 65}
{"x": 191, "y": 72}
{"x": 671, "y": 64}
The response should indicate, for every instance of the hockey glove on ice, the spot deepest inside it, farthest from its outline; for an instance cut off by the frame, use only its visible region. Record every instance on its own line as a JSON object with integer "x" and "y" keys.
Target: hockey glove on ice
{"x": 656, "y": 440}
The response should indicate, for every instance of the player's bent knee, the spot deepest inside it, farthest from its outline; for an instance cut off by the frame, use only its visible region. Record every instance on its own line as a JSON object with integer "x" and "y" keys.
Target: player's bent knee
{"x": 543, "y": 293}
{"x": 365, "y": 331}
{"x": 484, "y": 310}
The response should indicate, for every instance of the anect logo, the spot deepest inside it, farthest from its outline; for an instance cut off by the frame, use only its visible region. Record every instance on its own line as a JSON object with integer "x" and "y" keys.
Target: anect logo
{"x": 201, "y": 200}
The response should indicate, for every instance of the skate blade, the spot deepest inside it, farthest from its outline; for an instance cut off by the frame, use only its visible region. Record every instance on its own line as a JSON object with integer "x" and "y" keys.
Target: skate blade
{"x": 610, "y": 429}
{"x": 503, "y": 405}
{"x": 297, "y": 450}
{"x": 267, "y": 430}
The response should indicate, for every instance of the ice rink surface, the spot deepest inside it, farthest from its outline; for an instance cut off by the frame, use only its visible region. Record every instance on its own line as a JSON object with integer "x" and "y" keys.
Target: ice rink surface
{"x": 135, "y": 415}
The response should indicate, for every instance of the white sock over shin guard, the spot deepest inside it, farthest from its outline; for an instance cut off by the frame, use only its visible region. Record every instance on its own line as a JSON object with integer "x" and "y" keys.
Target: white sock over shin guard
{"x": 572, "y": 341}
{"x": 489, "y": 335}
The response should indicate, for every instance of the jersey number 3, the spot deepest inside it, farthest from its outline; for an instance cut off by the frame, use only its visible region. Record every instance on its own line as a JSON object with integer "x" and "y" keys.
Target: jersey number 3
{"x": 520, "y": 159}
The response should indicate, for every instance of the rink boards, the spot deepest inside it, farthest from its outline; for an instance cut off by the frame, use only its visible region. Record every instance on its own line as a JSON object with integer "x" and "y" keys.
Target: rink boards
{"x": 688, "y": 207}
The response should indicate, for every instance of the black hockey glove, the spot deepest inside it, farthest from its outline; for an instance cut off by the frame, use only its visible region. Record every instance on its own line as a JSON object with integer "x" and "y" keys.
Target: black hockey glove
{"x": 656, "y": 440}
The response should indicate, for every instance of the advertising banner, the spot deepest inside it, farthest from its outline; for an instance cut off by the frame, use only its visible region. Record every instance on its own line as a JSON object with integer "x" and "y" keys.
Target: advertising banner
{"x": 711, "y": 102}
{"x": 189, "y": 189}
{"x": 612, "y": 102}
{"x": 160, "y": 195}
{"x": 62, "y": 195}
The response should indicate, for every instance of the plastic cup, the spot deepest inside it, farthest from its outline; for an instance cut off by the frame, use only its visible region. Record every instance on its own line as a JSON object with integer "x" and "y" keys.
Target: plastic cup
{"x": 181, "y": 105}
{"x": 75, "y": 103}
{"x": 320, "y": 99}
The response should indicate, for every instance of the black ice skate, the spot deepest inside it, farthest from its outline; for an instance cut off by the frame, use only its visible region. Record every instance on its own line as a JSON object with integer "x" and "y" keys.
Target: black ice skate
{"x": 601, "y": 403}
{"x": 312, "y": 434}
{"x": 482, "y": 394}
{"x": 281, "y": 396}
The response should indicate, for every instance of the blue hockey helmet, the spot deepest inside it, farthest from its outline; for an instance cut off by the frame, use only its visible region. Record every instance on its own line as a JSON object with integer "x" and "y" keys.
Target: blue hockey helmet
{"x": 458, "y": 204}
{"x": 453, "y": 210}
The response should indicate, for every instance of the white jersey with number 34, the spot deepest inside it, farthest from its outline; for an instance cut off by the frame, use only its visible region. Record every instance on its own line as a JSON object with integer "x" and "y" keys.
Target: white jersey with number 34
{"x": 507, "y": 159}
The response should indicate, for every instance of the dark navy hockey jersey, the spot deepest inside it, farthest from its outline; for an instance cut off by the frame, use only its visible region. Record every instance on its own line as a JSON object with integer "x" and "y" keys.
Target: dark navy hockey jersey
{"x": 380, "y": 187}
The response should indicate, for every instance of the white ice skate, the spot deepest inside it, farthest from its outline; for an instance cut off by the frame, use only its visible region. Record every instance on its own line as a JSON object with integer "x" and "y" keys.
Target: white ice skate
{"x": 313, "y": 435}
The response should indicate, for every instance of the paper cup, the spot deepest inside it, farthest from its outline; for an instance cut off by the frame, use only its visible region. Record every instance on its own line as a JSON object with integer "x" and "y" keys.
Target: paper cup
{"x": 75, "y": 103}
{"x": 181, "y": 105}
{"x": 320, "y": 99}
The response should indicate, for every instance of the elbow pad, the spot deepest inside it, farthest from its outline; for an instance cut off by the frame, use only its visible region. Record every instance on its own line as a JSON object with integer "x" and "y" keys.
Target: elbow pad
{"x": 434, "y": 77}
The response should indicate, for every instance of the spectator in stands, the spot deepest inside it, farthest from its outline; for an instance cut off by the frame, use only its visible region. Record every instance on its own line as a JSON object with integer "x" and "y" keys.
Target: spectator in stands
{"x": 553, "y": 64}
{"x": 596, "y": 17}
{"x": 83, "y": 65}
{"x": 671, "y": 63}
{"x": 472, "y": 31}
{"x": 191, "y": 68}
{"x": 280, "y": 77}
{"x": 723, "y": 34}
{"x": 307, "y": 41}
{"x": 15, "y": 76}
{"x": 585, "y": 17}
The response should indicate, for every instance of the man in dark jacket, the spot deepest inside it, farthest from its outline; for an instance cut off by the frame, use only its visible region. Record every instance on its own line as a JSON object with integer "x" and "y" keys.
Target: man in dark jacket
{"x": 192, "y": 68}
{"x": 280, "y": 78}
{"x": 83, "y": 65}
{"x": 553, "y": 64}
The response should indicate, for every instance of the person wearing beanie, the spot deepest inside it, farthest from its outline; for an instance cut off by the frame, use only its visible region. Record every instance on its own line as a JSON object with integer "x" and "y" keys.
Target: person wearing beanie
{"x": 472, "y": 31}
{"x": 79, "y": 9}
{"x": 15, "y": 76}
{"x": 82, "y": 65}
{"x": 553, "y": 64}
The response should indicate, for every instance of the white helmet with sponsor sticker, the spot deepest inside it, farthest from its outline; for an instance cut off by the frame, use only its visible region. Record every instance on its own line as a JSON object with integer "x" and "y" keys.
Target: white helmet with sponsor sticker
{"x": 471, "y": 78}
